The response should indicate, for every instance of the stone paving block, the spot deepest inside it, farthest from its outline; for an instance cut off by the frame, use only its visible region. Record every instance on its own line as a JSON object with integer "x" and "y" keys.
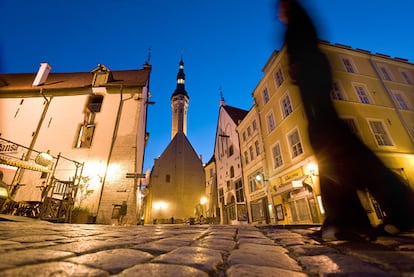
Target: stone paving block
{"x": 260, "y": 271}
{"x": 163, "y": 245}
{"x": 394, "y": 260}
{"x": 264, "y": 255}
{"x": 250, "y": 233}
{"x": 263, "y": 248}
{"x": 262, "y": 240}
{"x": 310, "y": 250}
{"x": 222, "y": 245}
{"x": 336, "y": 263}
{"x": 114, "y": 260}
{"x": 58, "y": 269}
{"x": 291, "y": 241}
{"x": 161, "y": 270}
{"x": 87, "y": 246}
{"x": 31, "y": 256}
{"x": 37, "y": 238}
{"x": 198, "y": 257}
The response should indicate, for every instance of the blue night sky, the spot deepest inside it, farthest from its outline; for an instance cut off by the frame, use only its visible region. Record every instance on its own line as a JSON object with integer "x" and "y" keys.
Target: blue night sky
{"x": 224, "y": 43}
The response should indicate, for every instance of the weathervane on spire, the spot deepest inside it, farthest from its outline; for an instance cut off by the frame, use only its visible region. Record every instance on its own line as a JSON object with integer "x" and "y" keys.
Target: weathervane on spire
{"x": 149, "y": 55}
{"x": 222, "y": 102}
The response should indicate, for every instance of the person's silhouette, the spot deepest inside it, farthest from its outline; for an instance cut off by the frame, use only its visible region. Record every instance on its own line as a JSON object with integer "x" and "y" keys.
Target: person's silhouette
{"x": 345, "y": 163}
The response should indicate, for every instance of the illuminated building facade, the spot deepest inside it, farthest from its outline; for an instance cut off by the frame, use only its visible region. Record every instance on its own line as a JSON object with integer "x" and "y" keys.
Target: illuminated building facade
{"x": 227, "y": 154}
{"x": 177, "y": 182}
{"x": 97, "y": 118}
{"x": 373, "y": 93}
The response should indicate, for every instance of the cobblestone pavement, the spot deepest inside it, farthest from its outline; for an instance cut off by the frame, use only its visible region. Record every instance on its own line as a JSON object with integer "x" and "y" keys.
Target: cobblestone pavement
{"x": 37, "y": 248}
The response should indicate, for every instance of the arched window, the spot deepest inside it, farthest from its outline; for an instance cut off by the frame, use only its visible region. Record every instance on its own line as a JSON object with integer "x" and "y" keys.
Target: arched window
{"x": 231, "y": 172}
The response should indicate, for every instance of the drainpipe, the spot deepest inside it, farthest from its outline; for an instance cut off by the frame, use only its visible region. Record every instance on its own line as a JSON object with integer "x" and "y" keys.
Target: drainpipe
{"x": 19, "y": 174}
{"x": 389, "y": 94}
{"x": 114, "y": 136}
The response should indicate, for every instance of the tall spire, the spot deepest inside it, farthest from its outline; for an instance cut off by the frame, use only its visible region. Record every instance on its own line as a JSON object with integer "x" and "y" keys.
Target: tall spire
{"x": 180, "y": 90}
{"x": 179, "y": 104}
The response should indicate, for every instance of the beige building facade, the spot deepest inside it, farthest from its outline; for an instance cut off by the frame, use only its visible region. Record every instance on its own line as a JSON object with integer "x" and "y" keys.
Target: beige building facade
{"x": 97, "y": 119}
{"x": 230, "y": 184}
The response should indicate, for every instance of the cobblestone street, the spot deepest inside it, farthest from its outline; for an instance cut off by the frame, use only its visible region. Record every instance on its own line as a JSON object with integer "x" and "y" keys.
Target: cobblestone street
{"x": 37, "y": 248}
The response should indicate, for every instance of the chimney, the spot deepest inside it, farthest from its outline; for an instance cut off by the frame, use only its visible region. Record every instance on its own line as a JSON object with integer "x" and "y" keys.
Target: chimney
{"x": 42, "y": 74}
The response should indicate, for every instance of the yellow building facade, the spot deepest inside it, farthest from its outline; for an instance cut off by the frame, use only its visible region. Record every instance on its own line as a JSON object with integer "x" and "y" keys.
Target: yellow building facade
{"x": 373, "y": 94}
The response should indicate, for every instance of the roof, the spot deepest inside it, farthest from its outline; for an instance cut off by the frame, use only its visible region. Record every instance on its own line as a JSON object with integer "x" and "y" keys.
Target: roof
{"x": 235, "y": 113}
{"x": 20, "y": 84}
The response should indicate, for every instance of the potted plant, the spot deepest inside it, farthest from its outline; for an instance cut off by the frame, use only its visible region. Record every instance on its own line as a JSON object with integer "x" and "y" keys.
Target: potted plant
{"x": 80, "y": 215}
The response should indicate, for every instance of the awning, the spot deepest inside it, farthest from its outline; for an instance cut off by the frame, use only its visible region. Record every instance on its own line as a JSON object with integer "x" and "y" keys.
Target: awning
{"x": 295, "y": 184}
{"x": 23, "y": 164}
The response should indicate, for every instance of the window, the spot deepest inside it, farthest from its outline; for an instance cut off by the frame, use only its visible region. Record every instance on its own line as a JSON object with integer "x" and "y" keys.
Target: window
{"x": 295, "y": 144}
{"x": 255, "y": 183}
{"x": 231, "y": 171}
{"x": 380, "y": 133}
{"x": 87, "y": 128}
{"x": 286, "y": 106}
{"x": 244, "y": 136}
{"x": 249, "y": 131}
{"x": 386, "y": 75}
{"x": 239, "y": 191}
{"x": 270, "y": 122}
{"x": 230, "y": 151}
{"x": 85, "y": 136}
{"x": 401, "y": 101}
{"x": 266, "y": 96}
{"x": 254, "y": 125}
{"x": 279, "y": 77}
{"x": 251, "y": 153}
{"x": 406, "y": 77}
{"x": 352, "y": 126}
{"x": 336, "y": 92}
{"x": 277, "y": 156}
{"x": 221, "y": 196}
{"x": 257, "y": 147}
{"x": 95, "y": 103}
{"x": 246, "y": 157}
{"x": 362, "y": 94}
{"x": 167, "y": 178}
{"x": 211, "y": 172}
{"x": 349, "y": 67}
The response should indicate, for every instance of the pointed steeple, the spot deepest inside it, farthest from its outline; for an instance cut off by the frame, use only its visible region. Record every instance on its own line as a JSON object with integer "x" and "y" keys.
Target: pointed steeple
{"x": 180, "y": 90}
{"x": 179, "y": 104}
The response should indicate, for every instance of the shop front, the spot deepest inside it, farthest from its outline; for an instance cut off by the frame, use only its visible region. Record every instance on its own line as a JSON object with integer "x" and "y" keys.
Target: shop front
{"x": 295, "y": 199}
